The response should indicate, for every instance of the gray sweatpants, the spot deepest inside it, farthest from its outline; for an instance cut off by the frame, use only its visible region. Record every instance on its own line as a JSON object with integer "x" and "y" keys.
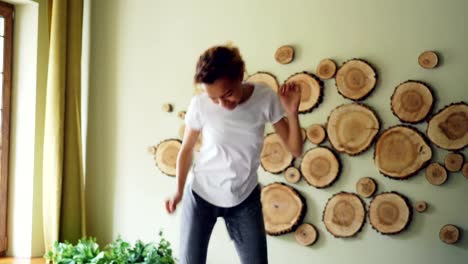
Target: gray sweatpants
{"x": 244, "y": 224}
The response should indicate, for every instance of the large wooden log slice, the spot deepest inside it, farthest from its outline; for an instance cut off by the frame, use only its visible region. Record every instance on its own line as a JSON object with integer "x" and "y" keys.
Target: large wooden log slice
{"x": 283, "y": 208}
{"x": 344, "y": 214}
{"x": 390, "y": 213}
{"x": 448, "y": 129}
{"x": 275, "y": 158}
{"x": 264, "y": 78}
{"x": 412, "y": 101}
{"x": 351, "y": 128}
{"x": 166, "y": 156}
{"x": 320, "y": 167}
{"x": 356, "y": 79}
{"x": 311, "y": 90}
{"x": 401, "y": 152}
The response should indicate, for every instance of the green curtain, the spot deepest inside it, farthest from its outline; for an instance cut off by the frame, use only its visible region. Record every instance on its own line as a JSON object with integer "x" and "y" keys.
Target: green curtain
{"x": 63, "y": 197}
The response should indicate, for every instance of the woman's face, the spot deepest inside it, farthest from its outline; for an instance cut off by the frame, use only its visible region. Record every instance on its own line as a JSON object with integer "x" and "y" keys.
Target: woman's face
{"x": 225, "y": 92}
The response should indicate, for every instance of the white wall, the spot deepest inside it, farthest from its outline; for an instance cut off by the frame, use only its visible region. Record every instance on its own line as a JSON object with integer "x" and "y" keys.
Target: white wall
{"x": 143, "y": 54}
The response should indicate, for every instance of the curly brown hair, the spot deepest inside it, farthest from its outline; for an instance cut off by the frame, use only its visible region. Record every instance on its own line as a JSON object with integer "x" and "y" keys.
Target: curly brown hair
{"x": 217, "y": 62}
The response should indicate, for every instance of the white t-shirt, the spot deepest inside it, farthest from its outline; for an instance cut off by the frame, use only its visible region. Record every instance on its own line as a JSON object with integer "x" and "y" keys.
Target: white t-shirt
{"x": 225, "y": 171}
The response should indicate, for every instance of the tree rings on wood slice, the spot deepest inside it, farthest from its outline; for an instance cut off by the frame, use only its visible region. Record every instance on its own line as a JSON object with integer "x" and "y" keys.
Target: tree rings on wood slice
{"x": 351, "y": 128}
{"x": 344, "y": 214}
{"x": 166, "y": 156}
{"x": 311, "y": 90}
{"x": 306, "y": 234}
{"x": 366, "y": 187}
{"x": 436, "y": 174}
{"x": 449, "y": 234}
{"x": 356, "y": 79}
{"x": 389, "y": 213}
{"x": 401, "y": 152}
{"x": 428, "y": 59}
{"x": 199, "y": 140}
{"x": 264, "y": 78}
{"x": 316, "y": 134}
{"x": 292, "y": 175}
{"x": 420, "y": 206}
{"x": 167, "y": 107}
{"x": 275, "y": 158}
{"x": 326, "y": 69}
{"x": 465, "y": 170}
{"x": 412, "y": 101}
{"x": 454, "y": 162}
{"x": 284, "y": 54}
{"x": 448, "y": 129}
{"x": 320, "y": 167}
{"x": 283, "y": 208}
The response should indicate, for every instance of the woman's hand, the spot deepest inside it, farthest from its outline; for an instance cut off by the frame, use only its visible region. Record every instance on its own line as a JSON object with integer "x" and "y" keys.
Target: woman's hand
{"x": 290, "y": 97}
{"x": 171, "y": 203}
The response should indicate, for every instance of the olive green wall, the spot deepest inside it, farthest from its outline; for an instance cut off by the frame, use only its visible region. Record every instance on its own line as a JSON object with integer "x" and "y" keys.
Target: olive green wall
{"x": 143, "y": 55}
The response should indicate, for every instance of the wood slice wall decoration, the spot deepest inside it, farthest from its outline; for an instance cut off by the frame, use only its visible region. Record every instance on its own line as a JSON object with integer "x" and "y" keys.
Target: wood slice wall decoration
{"x": 284, "y": 54}
{"x": 454, "y": 162}
{"x": 465, "y": 170}
{"x": 450, "y": 234}
{"x": 326, "y": 69}
{"x": 390, "y": 213}
{"x": 344, "y": 215}
{"x": 311, "y": 90}
{"x": 366, "y": 187}
{"x": 166, "y": 156}
{"x": 412, "y": 101}
{"x": 400, "y": 152}
{"x": 420, "y": 206}
{"x": 264, "y": 78}
{"x": 316, "y": 134}
{"x": 292, "y": 175}
{"x": 428, "y": 59}
{"x": 356, "y": 79}
{"x": 320, "y": 167}
{"x": 283, "y": 208}
{"x": 275, "y": 158}
{"x": 306, "y": 234}
{"x": 448, "y": 129}
{"x": 436, "y": 174}
{"x": 351, "y": 128}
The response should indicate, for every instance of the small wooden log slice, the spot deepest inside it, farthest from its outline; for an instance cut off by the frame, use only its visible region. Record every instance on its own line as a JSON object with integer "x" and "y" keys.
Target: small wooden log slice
{"x": 264, "y": 78}
{"x": 320, "y": 167}
{"x": 292, "y": 175}
{"x": 326, "y": 69}
{"x": 181, "y": 115}
{"x": 401, "y": 152}
{"x": 283, "y": 208}
{"x": 454, "y": 162}
{"x": 366, "y": 187}
{"x": 428, "y": 59}
{"x": 275, "y": 158}
{"x": 390, "y": 213}
{"x": 306, "y": 234}
{"x": 316, "y": 134}
{"x": 420, "y": 206}
{"x": 311, "y": 90}
{"x": 344, "y": 215}
{"x": 412, "y": 101}
{"x": 450, "y": 234}
{"x": 284, "y": 54}
{"x": 436, "y": 174}
{"x": 351, "y": 128}
{"x": 356, "y": 79}
{"x": 465, "y": 170}
{"x": 167, "y": 107}
{"x": 166, "y": 156}
{"x": 448, "y": 129}
{"x": 198, "y": 144}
